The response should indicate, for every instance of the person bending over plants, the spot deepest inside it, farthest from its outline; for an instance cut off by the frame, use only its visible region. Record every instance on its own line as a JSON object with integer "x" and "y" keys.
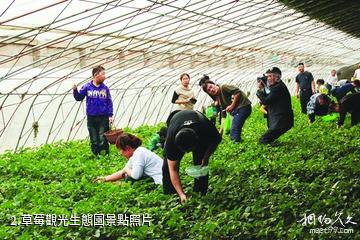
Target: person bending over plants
{"x": 349, "y": 104}
{"x": 342, "y": 91}
{"x": 319, "y": 105}
{"x": 188, "y": 131}
{"x": 158, "y": 140}
{"x": 142, "y": 163}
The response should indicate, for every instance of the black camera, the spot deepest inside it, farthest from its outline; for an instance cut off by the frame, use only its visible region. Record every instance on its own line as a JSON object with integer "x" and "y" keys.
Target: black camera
{"x": 262, "y": 80}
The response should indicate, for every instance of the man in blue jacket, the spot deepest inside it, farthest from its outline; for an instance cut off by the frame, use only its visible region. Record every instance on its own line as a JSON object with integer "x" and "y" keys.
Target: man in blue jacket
{"x": 99, "y": 109}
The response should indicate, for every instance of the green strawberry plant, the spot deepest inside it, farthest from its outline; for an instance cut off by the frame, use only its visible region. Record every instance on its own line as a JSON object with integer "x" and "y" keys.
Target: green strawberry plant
{"x": 255, "y": 191}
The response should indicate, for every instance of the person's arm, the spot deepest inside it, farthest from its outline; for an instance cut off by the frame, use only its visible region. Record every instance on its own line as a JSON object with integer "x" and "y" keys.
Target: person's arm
{"x": 175, "y": 99}
{"x": 79, "y": 96}
{"x": 297, "y": 89}
{"x": 110, "y": 106}
{"x": 234, "y": 102}
{"x": 181, "y": 102}
{"x": 342, "y": 113}
{"x": 113, "y": 177}
{"x": 274, "y": 94}
{"x": 214, "y": 138}
{"x": 313, "y": 87}
{"x": 311, "y": 117}
{"x": 341, "y": 119}
{"x": 175, "y": 179}
{"x": 209, "y": 151}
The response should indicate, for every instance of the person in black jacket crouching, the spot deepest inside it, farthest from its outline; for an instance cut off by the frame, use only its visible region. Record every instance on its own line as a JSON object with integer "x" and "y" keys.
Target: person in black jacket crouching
{"x": 278, "y": 104}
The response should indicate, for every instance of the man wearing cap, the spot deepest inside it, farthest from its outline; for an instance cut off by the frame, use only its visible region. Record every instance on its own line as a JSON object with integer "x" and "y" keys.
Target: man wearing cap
{"x": 188, "y": 131}
{"x": 278, "y": 104}
{"x": 305, "y": 86}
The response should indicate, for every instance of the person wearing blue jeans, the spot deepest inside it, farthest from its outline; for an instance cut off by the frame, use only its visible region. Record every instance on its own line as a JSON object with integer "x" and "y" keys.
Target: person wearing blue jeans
{"x": 239, "y": 117}
{"x": 234, "y": 101}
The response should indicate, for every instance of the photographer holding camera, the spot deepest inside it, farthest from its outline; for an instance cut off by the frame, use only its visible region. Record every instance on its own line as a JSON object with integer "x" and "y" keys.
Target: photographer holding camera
{"x": 278, "y": 105}
{"x": 266, "y": 89}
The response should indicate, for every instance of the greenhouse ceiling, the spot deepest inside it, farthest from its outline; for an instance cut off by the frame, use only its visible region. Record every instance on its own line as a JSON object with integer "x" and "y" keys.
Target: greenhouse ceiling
{"x": 47, "y": 46}
{"x": 341, "y": 14}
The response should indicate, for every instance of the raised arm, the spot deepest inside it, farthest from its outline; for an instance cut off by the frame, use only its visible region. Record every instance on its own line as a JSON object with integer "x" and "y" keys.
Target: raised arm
{"x": 79, "y": 96}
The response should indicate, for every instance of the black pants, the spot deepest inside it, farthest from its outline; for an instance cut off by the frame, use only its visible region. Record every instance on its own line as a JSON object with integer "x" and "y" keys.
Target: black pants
{"x": 355, "y": 117}
{"x": 97, "y": 126}
{"x": 304, "y": 99}
{"x": 200, "y": 184}
{"x": 272, "y": 134}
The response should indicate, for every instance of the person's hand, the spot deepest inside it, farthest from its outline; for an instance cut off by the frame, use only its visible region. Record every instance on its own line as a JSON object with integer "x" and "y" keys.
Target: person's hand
{"x": 297, "y": 95}
{"x": 204, "y": 162}
{"x": 183, "y": 198}
{"x": 229, "y": 108}
{"x": 100, "y": 179}
{"x": 74, "y": 87}
{"x": 111, "y": 120}
{"x": 259, "y": 85}
{"x": 192, "y": 100}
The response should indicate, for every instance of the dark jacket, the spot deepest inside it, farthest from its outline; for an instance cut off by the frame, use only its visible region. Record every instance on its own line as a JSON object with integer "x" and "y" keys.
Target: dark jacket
{"x": 278, "y": 104}
{"x": 349, "y": 103}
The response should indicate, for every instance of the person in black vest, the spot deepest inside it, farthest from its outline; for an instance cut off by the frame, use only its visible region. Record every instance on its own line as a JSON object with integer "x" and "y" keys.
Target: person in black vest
{"x": 305, "y": 86}
{"x": 278, "y": 104}
{"x": 188, "y": 131}
{"x": 349, "y": 104}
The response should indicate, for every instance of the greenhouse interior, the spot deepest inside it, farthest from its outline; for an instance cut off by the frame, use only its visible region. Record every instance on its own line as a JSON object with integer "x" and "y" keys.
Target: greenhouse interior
{"x": 303, "y": 184}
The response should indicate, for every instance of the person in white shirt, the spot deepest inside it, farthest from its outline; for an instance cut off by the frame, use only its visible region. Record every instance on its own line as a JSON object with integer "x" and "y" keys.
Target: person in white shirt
{"x": 332, "y": 79}
{"x": 142, "y": 163}
{"x": 357, "y": 73}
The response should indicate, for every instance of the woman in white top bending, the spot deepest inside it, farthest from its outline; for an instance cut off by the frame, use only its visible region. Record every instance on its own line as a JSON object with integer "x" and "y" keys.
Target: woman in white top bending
{"x": 142, "y": 163}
